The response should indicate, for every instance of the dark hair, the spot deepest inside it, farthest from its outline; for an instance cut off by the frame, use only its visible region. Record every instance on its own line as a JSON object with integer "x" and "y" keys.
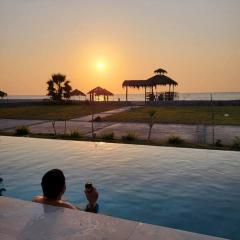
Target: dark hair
{"x": 88, "y": 185}
{"x": 53, "y": 183}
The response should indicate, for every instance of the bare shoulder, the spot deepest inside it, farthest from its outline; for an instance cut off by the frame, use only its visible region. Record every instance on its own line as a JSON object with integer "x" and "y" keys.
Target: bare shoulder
{"x": 38, "y": 199}
{"x": 67, "y": 205}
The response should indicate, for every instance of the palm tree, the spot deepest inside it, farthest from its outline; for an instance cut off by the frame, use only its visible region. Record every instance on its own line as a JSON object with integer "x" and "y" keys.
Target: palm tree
{"x": 160, "y": 71}
{"x": 67, "y": 90}
{"x": 55, "y": 88}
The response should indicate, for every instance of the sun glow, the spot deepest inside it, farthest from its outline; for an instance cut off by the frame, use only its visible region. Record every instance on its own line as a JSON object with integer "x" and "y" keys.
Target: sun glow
{"x": 100, "y": 66}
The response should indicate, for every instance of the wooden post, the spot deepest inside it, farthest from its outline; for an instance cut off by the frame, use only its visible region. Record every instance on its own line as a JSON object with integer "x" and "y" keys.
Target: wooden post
{"x": 145, "y": 93}
{"x": 213, "y": 127}
{"x": 65, "y": 127}
{"x": 126, "y": 93}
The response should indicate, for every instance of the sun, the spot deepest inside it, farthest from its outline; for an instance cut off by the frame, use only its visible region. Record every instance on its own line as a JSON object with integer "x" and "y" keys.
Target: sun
{"x": 100, "y": 66}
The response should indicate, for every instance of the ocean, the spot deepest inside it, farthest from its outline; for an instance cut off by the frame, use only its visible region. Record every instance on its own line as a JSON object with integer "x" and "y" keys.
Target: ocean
{"x": 140, "y": 97}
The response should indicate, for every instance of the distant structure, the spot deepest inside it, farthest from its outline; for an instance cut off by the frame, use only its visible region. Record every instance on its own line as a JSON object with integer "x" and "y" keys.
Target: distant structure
{"x": 152, "y": 83}
{"x": 3, "y": 94}
{"x": 78, "y": 93}
{"x": 97, "y": 92}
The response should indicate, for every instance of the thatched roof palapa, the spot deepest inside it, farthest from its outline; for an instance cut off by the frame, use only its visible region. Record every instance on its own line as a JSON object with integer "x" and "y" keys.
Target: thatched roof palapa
{"x": 77, "y": 92}
{"x": 161, "y": 80}
{"x": 3, "y": 94}
{"x": 98, "y": 91}
{"x": 151, "y": 82}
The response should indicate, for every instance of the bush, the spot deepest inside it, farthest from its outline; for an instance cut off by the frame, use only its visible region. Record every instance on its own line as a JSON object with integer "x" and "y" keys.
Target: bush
{"x": 236, "y": 143}
{"x": 175, "y": 140}
{"x": 107, "y": 136}
{"x": 218, "y": 143}
{"x": 75, "y": 134}
{"x": 22, "y": 131}
{"x": 131, "y": 136}
{"x": 97, "y": 119}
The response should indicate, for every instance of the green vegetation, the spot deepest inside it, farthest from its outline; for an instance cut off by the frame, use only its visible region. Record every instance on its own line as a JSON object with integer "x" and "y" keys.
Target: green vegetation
{"x": 22, "y": 131}
{"x": 97, "y": 119}
{"x": 107, "y": 136}
{"x": 75, "y": 134}
{"x": 218, "y": 143}
{"x": 175, "y": 140}
{"x": 236, "y": 143}
{"x": 130, "y": 136}
{"x": 136, "y": 141}
{"x": 180, "y": 114}
{"x": 51, "y": 112}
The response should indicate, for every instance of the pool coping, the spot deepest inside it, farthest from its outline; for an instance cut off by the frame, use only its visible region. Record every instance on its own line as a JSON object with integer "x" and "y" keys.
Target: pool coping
{"x": 27, "y": 220}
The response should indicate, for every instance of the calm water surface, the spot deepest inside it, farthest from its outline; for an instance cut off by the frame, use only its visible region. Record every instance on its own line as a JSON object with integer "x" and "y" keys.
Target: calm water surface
{"x": 193, "y": 190}
{"x": 138, "y": 95}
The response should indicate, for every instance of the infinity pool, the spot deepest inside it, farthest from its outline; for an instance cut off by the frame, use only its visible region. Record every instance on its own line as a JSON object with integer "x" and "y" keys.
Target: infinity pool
{"x": 188, "y": 189}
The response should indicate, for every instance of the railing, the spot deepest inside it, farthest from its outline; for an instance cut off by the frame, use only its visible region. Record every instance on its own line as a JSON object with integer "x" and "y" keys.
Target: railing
{"x": 162, "y": 96}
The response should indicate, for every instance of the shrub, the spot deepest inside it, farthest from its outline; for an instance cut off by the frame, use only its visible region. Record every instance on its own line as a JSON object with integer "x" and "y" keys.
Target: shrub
{"x": 175, "y": 140}
{"x": 131, "y": 136}
{"x": 218, "y": 143}
{"x": 97, "y": 119}
{"x": 107, "y": 136}
{"x": 236, "y": 143}
{"x": 75, "y": 134}
{"x": 22, "y": 131}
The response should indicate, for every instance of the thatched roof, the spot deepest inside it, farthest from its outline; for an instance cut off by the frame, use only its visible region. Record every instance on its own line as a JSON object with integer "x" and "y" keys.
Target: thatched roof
{"x": 135, "y": 83}
{"x": 161, "y": 80}
{"x": 3, "y": 94}
{"x": 151, "y": 82}
{"x": 98, "y": 91}
{"x": 77, "y": 92}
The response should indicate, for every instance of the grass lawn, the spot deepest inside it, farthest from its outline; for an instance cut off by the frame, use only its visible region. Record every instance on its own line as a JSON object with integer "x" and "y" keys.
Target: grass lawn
{"x": 180, "y": 114}
{"x": 51, "y": 112}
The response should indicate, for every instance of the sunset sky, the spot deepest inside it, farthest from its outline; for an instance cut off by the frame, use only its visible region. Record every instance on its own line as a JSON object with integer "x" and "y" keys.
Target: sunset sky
{"x": 103, "y": 42}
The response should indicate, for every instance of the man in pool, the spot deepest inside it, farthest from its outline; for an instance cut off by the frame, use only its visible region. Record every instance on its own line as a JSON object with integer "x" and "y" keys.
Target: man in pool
{"x": 92, "y": 197}
{"x": 53, "y": 187}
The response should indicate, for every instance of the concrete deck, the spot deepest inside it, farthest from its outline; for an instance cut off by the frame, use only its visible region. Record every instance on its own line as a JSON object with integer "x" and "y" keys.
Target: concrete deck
{"x": 26, "y": 220}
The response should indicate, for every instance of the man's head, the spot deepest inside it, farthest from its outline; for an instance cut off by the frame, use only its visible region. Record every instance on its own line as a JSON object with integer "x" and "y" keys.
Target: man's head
{"x": 53, "y": 184}
{"x": 88, "y": 187}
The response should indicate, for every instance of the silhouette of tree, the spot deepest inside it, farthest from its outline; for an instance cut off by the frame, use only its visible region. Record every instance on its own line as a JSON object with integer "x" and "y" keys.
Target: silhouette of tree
{"x": 160, "y": 71}
{"x": 67, "y": 90}
{"x": 151, "y": 114}
{"x": 3, "y": 94}
{"x": 58, "y": 87}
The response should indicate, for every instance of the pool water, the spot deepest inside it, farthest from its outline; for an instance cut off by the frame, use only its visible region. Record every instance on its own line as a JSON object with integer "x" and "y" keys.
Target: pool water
{"x": 187, "y": 189}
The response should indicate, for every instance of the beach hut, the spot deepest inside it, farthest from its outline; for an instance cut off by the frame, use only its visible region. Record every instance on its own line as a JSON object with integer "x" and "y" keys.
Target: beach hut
{"x": 77, "y": 93}
{"x": 153, "y": 82}
{"x": 3, "y": 94}
{"x": 97, "y": 92}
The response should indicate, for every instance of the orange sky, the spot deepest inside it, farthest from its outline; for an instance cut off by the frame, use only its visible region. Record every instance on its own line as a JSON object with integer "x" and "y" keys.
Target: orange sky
{"x": 197, "y": 42}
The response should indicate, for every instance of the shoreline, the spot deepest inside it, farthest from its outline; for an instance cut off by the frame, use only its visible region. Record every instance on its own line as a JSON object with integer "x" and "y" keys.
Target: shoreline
{"x": 136, "y": 103}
